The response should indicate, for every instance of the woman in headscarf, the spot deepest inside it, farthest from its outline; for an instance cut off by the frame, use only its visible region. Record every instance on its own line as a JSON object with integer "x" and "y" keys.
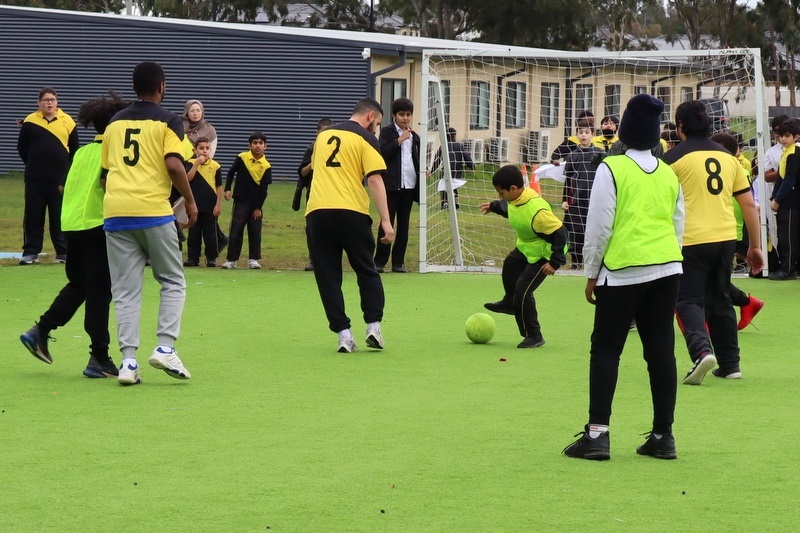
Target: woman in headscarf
{"x": 196, "y": 126}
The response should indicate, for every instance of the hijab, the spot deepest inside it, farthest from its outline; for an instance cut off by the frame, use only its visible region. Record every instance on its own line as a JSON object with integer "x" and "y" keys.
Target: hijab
{"x": 201, "y": 128}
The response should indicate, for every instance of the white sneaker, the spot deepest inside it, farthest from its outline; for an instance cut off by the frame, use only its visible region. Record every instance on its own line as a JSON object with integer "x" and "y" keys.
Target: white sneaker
{"x": 374, "y": 337}
{"x": 347, "y": 346}
{"x": 227, "y": 265}
{"x": 701, "y": 367}
{"x": 169, "y": 362}
{"x": 252, "y": 263}
{"x": 128, "y": 375}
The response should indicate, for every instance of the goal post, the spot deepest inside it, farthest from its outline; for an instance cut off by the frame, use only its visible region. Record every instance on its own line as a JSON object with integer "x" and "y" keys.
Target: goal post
{"x": 515, "y": 107}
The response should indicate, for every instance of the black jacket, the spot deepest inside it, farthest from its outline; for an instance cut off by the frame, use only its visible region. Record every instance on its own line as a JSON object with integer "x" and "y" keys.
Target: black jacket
{"x": 392, "y": 154}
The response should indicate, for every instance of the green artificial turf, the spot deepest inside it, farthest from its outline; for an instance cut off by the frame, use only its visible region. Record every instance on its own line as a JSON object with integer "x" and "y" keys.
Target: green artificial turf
{"x": 277, "y": 432}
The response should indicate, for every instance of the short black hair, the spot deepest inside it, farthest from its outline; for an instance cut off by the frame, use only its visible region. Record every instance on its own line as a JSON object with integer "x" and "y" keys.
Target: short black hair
{"x": 727, "y": 141}
{"x": 693, "y": 119}
{"x": 256, "y": 135}
{"x": 147, "y": 77}
{"x": 671, "y": 136}
{"x": 790, "y": 125}
{"x": 585, "y": 123}
{"x": 402, "y": 104}
{"x": 365, "y": 105}
{"x": 99, "y": 111}
{"x": 739, "y": 138}
{"x": 323, "y": 123}
{"x": 777, "y": 121}
{"x": 507, "y": 176}
{"x": 612, "y": 118}
{"x": 47, "y": 90}
{"x": 451, "y": 134}
{"x": 201, "y": 140}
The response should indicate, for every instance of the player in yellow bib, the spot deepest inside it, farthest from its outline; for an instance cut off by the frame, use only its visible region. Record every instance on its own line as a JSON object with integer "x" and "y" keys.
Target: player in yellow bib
{"x": 711, "y": 178}
{"x": 338, "y": 219}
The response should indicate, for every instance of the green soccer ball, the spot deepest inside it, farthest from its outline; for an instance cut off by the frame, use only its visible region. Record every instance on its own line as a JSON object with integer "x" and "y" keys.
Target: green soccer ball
{"x": 480, "y": 328}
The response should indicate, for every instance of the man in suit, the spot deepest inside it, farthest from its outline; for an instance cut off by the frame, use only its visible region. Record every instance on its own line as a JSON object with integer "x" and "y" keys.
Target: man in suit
{"x": 400, "y": 149}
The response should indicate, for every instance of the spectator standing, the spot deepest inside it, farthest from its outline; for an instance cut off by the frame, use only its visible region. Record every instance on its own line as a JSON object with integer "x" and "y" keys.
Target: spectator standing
{"x": 460, "y": 160}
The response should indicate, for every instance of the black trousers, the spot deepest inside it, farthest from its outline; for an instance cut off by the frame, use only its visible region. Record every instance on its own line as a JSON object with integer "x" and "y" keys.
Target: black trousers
{"x": 88, "y": 281}
{"x": 575, "y": 222}
{"x": 331, "y": 232}
{"x": 738, "y": 296}
{"x": 520, "y": 279}
{"x": 652, "y": 304}
{"x": 41, "y": 199}
{"x": 788, "y": 226}
{"x": 400, "y": 204}
{"x": 241, "y": 218}
{"x": 704, "y": 297}
{"x": 203, "y": 231}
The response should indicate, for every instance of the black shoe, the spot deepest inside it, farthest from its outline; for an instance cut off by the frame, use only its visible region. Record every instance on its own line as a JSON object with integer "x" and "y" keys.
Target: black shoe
{"x": 531, "y": 342}
{"x": 61, "y": 258}
{"x": 400, "y": 269}
{"x": 379, "y": 269}
{"x": 96, "y": 369}
{"x": 663, "y": 448}
{"x": 782, "y": 276}
{"x": 211, "y": 264}
{"x": 36, "y": 343}
{"x": 191, "y": 263}
{"x": 598, "y": 449}
{"x": 309, "y": 267}
{"x": 500, "y": 307}
{"x": 727, "y": 373}
{"x": 443, "y": 206}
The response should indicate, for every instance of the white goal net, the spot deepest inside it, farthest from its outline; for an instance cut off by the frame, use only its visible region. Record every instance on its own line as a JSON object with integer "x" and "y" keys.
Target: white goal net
{"x": 525, "y": 109}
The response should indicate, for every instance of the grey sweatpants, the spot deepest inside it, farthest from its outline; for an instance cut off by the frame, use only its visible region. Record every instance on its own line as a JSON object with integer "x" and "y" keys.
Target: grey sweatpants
{"x": 127, "y": 251}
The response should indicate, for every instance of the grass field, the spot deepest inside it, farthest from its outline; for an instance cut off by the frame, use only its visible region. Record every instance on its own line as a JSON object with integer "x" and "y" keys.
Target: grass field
{"x": 277, "y": 432}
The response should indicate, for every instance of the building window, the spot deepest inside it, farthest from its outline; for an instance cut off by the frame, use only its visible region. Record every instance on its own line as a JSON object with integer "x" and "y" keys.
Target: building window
{"x": 479, "y": 105}
{"x": 515, "y": 104}
{"x": 687, "y": 94}
{"x": 548, "y": 118}
{"x": 665, "y": 95}
{"x": 433, "y": 123}
{"x": 391, "y": 90}
{"x": 612, "y": 101}
{"x": 584, "y": 98}
{"x": 640, "y": 89}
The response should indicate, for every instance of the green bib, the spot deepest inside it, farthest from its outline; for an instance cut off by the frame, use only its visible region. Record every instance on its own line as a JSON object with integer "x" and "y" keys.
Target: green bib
{"x": 521, "y": 219}
{"x": 82, "y": 204}
{"x": 644, "y": 233}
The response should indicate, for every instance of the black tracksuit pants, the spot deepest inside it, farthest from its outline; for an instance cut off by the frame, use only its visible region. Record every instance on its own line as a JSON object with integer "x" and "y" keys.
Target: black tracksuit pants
{"x": 399, "y": 204}
{"x": 41, "y": 199}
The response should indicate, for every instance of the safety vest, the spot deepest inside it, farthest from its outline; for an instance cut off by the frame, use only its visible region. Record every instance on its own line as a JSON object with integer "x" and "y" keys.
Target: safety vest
{"x": 521, "y": 219}
{"x": 82, "y": 203}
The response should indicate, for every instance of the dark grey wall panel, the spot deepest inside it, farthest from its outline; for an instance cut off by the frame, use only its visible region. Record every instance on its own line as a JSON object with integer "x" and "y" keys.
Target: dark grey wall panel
{"x": 246, "y": 80}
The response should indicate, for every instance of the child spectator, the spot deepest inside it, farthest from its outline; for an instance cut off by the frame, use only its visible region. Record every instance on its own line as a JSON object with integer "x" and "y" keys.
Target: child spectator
{"x": 569, "y": 144}
{"x": 785, "y": 201}
{"x": 205, "y": 179}
{"x": 87, "y": 264}
{"x": 579, "y": 169}
{"x": 608, "y": 133}
{"x": 253, "y": 174}
{"x": 541, "y": 244}
{"x": 460, "y": 160}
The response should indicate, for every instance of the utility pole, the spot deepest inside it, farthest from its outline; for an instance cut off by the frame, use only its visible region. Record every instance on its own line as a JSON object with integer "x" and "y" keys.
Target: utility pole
{"x": 371, "y": 15}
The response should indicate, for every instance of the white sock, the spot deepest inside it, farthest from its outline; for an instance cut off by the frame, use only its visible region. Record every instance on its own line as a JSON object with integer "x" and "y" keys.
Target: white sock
{"x": 595, "y": 431}
{"x": 345, "y": 335}
{"x": 129, "y": 361}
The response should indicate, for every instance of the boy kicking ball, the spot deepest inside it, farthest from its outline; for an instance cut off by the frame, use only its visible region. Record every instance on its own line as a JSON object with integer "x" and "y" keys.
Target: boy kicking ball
{"x": 540, "y": 251}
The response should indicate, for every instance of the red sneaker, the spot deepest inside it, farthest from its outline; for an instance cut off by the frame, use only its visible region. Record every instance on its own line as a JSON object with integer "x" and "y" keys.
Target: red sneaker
{"x": 749, "y": 311}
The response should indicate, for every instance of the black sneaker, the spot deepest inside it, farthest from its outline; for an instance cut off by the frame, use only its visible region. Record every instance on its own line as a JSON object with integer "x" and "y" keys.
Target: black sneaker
{"x": 500, "y": 307}
{"x": 663, "y": 448}
{"x": 702, "y": 365}
{"x": 782, "y": 276}
{"x": 400, "y": 269}
{"x": 531, "y": 342}
{"x": 96, "y": 369}
{"x": 379, "y": 269}
{"x": 191, "y": 263}
{"x": 211, "y": 264}
{"x": 36, "y": 343}
{"x": 598, "y": 449}
{"x": 727, "y": 373}
{"x": 309, "y": 267}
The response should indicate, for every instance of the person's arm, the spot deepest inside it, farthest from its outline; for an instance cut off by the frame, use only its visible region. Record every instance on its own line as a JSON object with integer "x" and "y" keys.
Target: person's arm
{"x": 789, "y": 181}
{"x": 177, "y": 174}
{"x": 23, "y": 142}
{"x": 467, "y": 158}
{"x": 304, "y": 170}
{"x": 378, "y": 192}
{"x": 755, "y": 257}
{"x": 191, "y": 172}
{"x": 218, "y": 185}
{"x": 73, "y": 143}
{"x": 388, "y": 141}
{"x": 237, "y": 164}
{"x": 261, "y": 196}
{"x": 549, "y": 228}
{"x": 562, "y": 151}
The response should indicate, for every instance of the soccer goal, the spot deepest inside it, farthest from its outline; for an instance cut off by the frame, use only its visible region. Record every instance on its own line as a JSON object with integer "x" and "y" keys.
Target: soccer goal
{"x": 517, "y": 107}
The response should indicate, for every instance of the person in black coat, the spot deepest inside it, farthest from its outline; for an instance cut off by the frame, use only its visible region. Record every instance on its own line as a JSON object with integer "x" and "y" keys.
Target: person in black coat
{"x": 400, "y": 147}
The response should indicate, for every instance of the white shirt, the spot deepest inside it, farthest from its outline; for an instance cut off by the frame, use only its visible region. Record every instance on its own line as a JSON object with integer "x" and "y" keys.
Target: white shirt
{"x": 600, "y": 228}
{"x": 407, "y": 172}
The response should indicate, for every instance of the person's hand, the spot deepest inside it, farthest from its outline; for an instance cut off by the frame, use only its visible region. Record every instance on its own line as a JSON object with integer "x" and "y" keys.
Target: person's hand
{"x": 565, "y": 206}
{"x": 217, "y": 210}
{"x": 60, "y": 189}
{"x": 257, "y": 214}
{"x": 405, "y": 136}
{"x": 191, "y": 212}
{"x": 227, "y": 196}
{"x": 591, "y": 283}
{"x": 202, "y": 159}
{"x": 556, "y": 162}
{"x": 774, "y": 206}
{"x": 427, "y": 173}
{"x": 388, "y": 232}
{"x": 484, "y": 208}
{"x": 755, "y": 258}
{"x": 548, "y": 269}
